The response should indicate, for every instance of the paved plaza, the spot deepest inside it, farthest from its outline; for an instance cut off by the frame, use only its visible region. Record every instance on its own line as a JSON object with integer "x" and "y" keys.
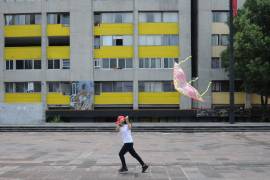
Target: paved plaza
{"x": 172, "y": 156}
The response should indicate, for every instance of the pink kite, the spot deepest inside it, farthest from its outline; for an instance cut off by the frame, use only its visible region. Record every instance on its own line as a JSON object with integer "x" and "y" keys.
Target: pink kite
{"x": 184, "y": 87}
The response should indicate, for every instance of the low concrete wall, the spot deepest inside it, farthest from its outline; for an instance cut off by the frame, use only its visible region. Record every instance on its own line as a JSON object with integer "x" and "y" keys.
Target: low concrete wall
{"x": 21, "y": 114}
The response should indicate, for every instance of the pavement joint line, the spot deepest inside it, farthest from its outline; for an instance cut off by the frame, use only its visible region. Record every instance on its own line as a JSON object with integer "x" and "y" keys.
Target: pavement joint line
{"x": 154, "y": 164}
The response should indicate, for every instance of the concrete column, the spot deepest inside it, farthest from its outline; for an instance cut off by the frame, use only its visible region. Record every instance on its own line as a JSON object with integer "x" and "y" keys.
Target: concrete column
{"x": 44, "y": 44}
{"x": 91, "y": 63}
{"x": 2, "y": 61}
{"x": 247, "y": 101}
{"x": 135, "y": 56}
{"x": 81, "y": 40}
{"x": 204, "y": 50}
{"x": 184, "y": 8}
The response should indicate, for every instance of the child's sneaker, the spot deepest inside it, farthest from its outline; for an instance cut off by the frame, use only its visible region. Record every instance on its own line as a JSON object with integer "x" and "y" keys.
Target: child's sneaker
{"x": 144, "y": 167}
{"x": 123, "y": 170}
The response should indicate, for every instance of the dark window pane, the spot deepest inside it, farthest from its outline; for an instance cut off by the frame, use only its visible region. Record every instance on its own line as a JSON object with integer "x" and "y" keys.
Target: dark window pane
{"x": 50, "y": 64}
{"x": 118, "y": 18}
{"x": 153, "y": 63}
{"x": 37, "y": 64}
{"x": 97, "y": 88}
{"x": 121, "y": 63}
{"x": 66, "y": 64}
{"x": 117, "y": 86}
{"x": 107, "y": 87}
{"x": 7, "y": 65}
{"x": 224, "y": 40}
{"x": 128, "y": 63}
{"x": 56, "y": 64}
{"x": 127, "y": 86}
{"x": 113, "y": 63}
{"x": 166, "y": 63}
{"x": 141, "y": 63}
{"x": 28, "y": 64}
{"x": 215, "y": 39}
{"x": 9, "y": 87}
{"x": 106, "y": 63}
{"x": 215, "y": 63}
{"x": 21, "y": 87}
{"x": 11, "y": 64}
{"x": 146, "y": 63}
{"x": 37, "y": 87}
{"x": 168, "y": 86}
{"x": 64, "y": 19}
{"x": 19, "y": 64}
{"x": 141, "y": 86}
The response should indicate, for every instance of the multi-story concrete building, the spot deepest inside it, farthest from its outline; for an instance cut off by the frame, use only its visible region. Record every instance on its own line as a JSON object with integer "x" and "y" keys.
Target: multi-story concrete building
{"x": 126, "y": 48}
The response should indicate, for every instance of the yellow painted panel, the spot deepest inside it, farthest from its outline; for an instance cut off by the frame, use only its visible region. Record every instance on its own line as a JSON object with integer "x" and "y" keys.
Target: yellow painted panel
{"x": 22, "y": 53}
{"x": 58, "y": 52}
{"x": 220, "y": 28}
{"x": 159, "y": 51}
{"x": 22, "y": 97}
{"x": 114, "y": 52}
{"x": 58, "y": 99}
{"x": 57, "y": 30}
{"x": 22, "y": 31}
{"x": 224, "y": 97}
{"x": 256, "y": 99}
{"x": 159, "y": 98}
{"x": 217, "y": 50}
{"x": 114, "y": 98}
{"x": 113, "y": 29}
{"x": 158, "y": 28}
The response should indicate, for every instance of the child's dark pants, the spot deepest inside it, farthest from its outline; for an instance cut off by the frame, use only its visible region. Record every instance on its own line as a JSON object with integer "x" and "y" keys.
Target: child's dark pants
{"x": 128, "y": 147}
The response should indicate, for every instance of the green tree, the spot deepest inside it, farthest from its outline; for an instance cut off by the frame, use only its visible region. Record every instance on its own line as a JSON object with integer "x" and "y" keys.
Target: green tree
{"x": 252, "y": 48}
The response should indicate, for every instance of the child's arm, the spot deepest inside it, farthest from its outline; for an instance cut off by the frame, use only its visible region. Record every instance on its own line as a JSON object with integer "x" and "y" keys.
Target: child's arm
{"x": 117, "y": 128}
{"x": 128, "y": 123}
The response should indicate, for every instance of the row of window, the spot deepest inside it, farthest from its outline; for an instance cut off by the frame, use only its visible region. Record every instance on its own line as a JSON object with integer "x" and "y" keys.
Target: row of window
{"x": 36, "y": 64}
{"x": 21, "y": 19}
{"x": 112, "y": 41}
{"x": 18, "y": 19}
{"x": 220, "y": 39}
{"x": 105, "y": 86}
{"x": 128, "y": 17}
{"x": 117, "y": 17}
{"x": 113, "y": 86}
{"x": 113, "y": 63}
{"x": 127, "y": 86}
{"x": 223, "y": 86}
{"x": 123, "y": 63}
{"x": 22, "y": 87}
{"x": 58, "y": 64}
{"x": 23, "y": 64}
{"x": 144, "y": 40}
{"x": 157, "y": 62}
{"x": 60, "y": 87}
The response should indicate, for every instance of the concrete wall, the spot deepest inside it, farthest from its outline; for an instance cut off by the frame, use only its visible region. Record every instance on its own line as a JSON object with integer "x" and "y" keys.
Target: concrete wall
{"x": 81, "y": 41}
{"x": 21, "y": 113}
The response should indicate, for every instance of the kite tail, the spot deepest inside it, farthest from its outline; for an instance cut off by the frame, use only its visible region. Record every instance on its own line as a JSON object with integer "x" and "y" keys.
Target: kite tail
{"x": 182, "y": 61}
{"x": 193, "y": 80}
{"x": 209, "y": 84}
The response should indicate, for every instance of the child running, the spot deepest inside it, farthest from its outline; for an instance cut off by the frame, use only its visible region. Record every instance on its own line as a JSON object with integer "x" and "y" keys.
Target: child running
{"x": 124, "y": 127}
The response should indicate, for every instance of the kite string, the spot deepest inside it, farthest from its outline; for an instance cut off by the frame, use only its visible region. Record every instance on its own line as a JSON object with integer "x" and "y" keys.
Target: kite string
{"x": 181, "y": 62}
{"x": 191, "y": 81}
{"x": 209, "y": 84}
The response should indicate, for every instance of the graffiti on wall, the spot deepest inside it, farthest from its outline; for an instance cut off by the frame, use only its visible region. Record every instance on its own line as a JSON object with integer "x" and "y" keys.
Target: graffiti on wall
{"x": 82, "y": 95}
